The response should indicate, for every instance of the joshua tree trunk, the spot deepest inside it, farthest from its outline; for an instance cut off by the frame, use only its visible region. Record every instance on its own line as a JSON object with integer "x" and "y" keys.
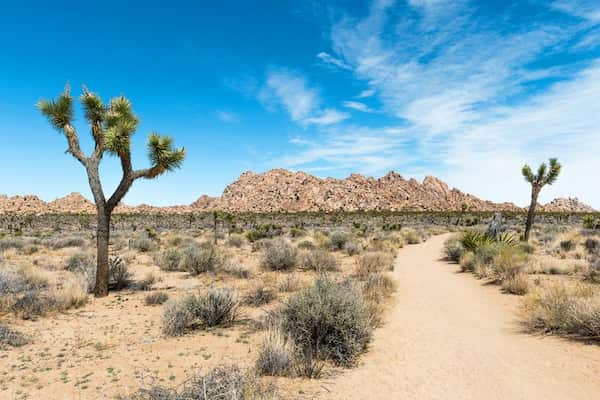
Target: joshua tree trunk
{"x": 531, "y": 213}
{"x": 102, "y": 267}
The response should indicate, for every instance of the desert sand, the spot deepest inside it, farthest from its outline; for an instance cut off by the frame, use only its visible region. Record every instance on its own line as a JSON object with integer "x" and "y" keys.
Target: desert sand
{"x": 452, "y": 337}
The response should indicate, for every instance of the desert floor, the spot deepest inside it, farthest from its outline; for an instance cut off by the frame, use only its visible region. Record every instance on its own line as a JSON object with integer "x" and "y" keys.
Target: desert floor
{"x": 450, "y": 336}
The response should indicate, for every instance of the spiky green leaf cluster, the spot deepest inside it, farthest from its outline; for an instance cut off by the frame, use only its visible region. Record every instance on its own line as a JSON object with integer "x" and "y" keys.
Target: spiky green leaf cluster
{"x": 120, "y": 125}
{"x": 544, "y": 176}
{"x": 60, "y": 111}
{"x": 162, "y": 154}
{"x": 94, "y": 108}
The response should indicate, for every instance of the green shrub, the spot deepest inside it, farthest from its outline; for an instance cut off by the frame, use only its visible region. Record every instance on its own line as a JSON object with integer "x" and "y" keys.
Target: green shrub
{"x": 453, "y": 249}
{"x": 216, "y": 307}
{"x": 473, "y": 240}
{"x": 279, "y": 255}
{"x": 142, "y": 244}
{"x": 327, "y": 321}
{"x": 318, "y": 260}
{"x": 170, "y": 260}
{"x": 592, "y": 245}
{"x": 200, "y": 259}
{"x": 411, "y": 236}
{"x": 338, "y": 239}
{"x": 306, "y": 245}
{"x": 567, "y": 245}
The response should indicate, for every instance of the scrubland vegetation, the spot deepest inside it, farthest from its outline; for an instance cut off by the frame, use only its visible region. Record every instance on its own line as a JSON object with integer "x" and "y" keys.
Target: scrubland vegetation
{"x": 557, "y": 272}
{"x": 261, "y": 302}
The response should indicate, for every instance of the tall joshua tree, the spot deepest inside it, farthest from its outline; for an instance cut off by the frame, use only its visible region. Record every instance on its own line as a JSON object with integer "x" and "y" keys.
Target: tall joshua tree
{"x": 545, "y": 176}
{"x": 112, "y": 126}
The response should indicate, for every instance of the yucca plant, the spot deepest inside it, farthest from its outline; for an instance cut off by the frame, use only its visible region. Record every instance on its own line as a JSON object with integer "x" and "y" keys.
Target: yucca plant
{"x": 112, "y": 126}
{"x": 545, "y": 176}
{"x": 472, "y": 240}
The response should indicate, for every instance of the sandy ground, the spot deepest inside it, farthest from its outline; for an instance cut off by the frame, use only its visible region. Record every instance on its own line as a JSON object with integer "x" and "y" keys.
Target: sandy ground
{"x": 452, "y": 337}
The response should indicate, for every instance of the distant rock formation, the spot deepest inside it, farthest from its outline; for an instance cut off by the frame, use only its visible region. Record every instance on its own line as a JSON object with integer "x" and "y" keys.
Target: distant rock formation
{"x": 280, "y": 190}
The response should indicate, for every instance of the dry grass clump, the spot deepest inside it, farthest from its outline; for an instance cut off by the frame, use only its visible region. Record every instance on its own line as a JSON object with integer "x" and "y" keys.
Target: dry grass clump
{"x": 260, "y": 295}
{"x": 289, "y": 283}
{"x": 83, "y": 264}
{"x": 235, "y": 269}
{"x": 352, "y": 248}
{"x": 143, "y": 244}
{"x": 517, "y": 284}
{"x": 235, "y": 240}
{"x": 411, "y": 236}
{"x": 156, "y": 298}
{"x": 373, "y": 262}
{"x": 338, "y": 239}
{"x": 378, "y": 287}
{"x": 213, "y": 308}
{"x": 279, "y": 255}
{"x": 564, "y": 309}
{"x": 306, "y": 245}
{"x": 63, "y": 242}
{"x": 467, "y": 262}
{"x": 317, "y": 260}
{"x": 275, "y": 357}
{"x": 221, "y": 383}
{"x": 11, "y": 338}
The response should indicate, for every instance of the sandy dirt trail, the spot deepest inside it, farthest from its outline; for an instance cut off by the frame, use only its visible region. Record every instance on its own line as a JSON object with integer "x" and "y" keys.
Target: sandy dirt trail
{"x": 449, "y": 336}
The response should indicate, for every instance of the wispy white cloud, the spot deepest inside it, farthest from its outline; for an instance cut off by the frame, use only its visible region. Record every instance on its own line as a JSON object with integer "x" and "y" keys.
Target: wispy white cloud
{"x": 328, "y": 116}
{"x": 357, "y": 105}
{"x": 227, "y": 116}
{"x": 366, "y": 93}
{"x": 586, "y": 9}
{"x": 460, "y": 91}
{"x": 330, "y": 60}
{"x": 302, "y": 102}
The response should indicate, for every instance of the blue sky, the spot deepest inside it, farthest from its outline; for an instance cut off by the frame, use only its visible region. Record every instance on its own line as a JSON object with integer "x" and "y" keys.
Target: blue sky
{"x": 464, "y": 90}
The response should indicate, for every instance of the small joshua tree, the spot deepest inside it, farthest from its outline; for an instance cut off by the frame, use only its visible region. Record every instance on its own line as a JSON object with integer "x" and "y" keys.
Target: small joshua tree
{"x": 543, "y": 177}
{"x": 112, "y": 127}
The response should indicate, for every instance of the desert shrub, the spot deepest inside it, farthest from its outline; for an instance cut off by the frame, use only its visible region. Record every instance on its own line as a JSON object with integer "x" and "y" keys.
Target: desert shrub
{"x": 484, "y": 271}
{"x": 322, "y": 240}
{"x": 527, "y": 247}
{"x": 119, "y": 276}
{"x": 260, "y": 244}
{"x": 279, "y": 255}
{"x": 589, "y": 222}
{"x": 275, "y": 356}
{"x": 235, "y": 240}
{"x": 143, "y": 244}
{"x": 199, "y": 259}
{"x": 318, "y": 260}
{"x": 216, "y": 307}
{"x": 177, "y": 315}
{"x": 516, "y": 284}
{"x": 352, "y": 248}
{"x": 453, "y": 249}
{"x": 564, "y": 309}
{"x": 169, "y": 260}
{"x": 235, "y": 269}
{"x": 156, "y": 298}
{"x": 467, "y": 262}
{"x": 29, "y": 249}
{"x": 378, "y": 287}
{"x": 83, "y": 264}
{"x": 411, "y": 236}
{"x": 297, "y": 233}
{"x": 16, "y": 243}
{"x": 338, "y": 239}
{"x": 486, "y": 253}
{"x": 11, "y": 338}
{"x": 592, "y": 245}
{"x": 327, "y": 321}
{"x": 508, "y": 262}
{"x": 592, "y": 274}
{"x": 260, "y": 295}
{"x": 473, "y": 240}
{"x": 289, "y": 283}
{"x": 373, "y": 262}
{"x": 60, "y": 243}
{"x": 306, "y": 245}
{"x": 567, "y": 245}
{"x": 263, "y": 232}
{"x": 221, "y": 383}
{"x": 147, "y": 281}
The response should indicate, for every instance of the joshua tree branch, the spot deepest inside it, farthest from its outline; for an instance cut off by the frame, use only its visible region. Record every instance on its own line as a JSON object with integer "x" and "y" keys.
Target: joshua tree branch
{"x": 74, "y": 148}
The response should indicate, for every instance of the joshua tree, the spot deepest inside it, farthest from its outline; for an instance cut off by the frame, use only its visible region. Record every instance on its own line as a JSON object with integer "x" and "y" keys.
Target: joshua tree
{"x": 111, "y": 127}
{"x": 543, "y": 177}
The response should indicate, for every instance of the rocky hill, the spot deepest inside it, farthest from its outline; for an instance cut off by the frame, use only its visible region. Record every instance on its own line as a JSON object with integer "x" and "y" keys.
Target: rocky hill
{"x": 283, "y": 190}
